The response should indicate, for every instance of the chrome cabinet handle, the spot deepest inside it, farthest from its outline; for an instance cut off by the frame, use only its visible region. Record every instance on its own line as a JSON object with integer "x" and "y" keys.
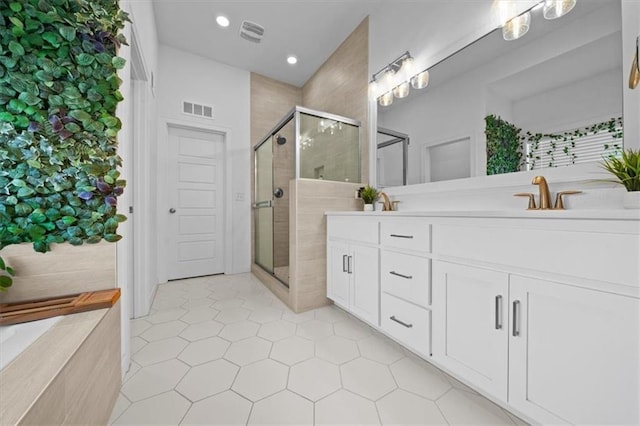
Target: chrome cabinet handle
{"x": 408, "y": 277}
{"x": 350, "y": 265}
{"x": 516, "y": 318}
{"x": 393, "y": 318}
{"x": 499, "y": 312}
{"x": 401, "y": 236}
{"x": 344, "y": 263}
{"x": 172, "y": 210}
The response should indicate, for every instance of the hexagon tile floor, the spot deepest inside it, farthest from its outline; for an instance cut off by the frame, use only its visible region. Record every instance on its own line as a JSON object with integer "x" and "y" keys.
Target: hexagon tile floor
{"x": 224, "y": 350}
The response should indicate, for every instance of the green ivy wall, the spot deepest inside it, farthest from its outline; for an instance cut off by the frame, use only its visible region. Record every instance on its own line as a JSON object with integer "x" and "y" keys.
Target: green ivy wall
{"x": 58, "y": 95}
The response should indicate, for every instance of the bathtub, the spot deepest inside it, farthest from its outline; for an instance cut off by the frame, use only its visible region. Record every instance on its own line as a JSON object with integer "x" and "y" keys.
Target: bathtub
{"x": 16, "y": 338}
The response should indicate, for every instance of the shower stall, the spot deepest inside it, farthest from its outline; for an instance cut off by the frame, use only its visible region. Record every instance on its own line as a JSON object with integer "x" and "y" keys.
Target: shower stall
{"x": 305, "y": 144}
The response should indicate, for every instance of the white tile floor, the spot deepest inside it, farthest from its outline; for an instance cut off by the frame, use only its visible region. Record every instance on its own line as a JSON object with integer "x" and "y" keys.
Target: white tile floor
{"x": 224, "y": 350}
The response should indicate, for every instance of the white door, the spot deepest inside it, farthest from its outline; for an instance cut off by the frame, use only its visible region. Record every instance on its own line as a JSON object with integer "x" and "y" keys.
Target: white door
{"x": 470, "y": 330}
{"x": 574, "y": 356}
{"x": 365, "y": 292}
{"x": 196, "y": 211}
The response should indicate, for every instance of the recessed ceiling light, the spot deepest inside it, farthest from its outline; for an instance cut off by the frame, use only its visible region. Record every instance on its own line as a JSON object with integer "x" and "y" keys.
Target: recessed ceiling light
{"x": 222, "y": 20}
{"x": 292, "y": 60}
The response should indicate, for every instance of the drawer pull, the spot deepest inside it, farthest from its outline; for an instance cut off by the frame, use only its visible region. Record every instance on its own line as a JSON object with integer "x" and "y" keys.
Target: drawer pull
{"x": 350, "y": 265}
{"x": 410, "y": 237}
{"x": 408, "y": 277}
{"x": 393, "y": 318}
{"x": 344, "y": 262}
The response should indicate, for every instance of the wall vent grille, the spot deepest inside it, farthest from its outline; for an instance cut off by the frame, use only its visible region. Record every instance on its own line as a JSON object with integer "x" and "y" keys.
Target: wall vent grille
{"x": 198, "y": 110}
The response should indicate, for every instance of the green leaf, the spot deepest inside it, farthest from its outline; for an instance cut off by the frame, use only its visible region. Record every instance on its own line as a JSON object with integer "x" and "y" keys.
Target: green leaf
{"x": 11, "y": 200}
{"x": 80, "y": 115}
{"x": 29, "y": 98}
{"x": 69, "y": 220}
{"x": 15, "y": 6}
{"x": 5, "y": 282}
{"x": 25, "y": 192}
{"x": 16, "y": 48}
{"x": 118, "y": 62}
{"x": 112, "y": 238}
{"x": 3, "y": 266}
{"x": 15, "y": 21}
{"x": 68, "y": 33}
{"x": 35, "y": 164}
{"x": 84, "y": 59}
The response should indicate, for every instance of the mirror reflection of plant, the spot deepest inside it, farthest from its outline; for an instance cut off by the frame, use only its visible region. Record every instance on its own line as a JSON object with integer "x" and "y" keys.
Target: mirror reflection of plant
{"x": 58, "y": 96}
{"x": 568, "y": 140}
{"x": 6, "y": 275}
{"x": 504, "y": 146}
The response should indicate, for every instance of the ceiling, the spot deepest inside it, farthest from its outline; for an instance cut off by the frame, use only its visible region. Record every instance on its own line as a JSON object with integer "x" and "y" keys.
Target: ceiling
{"x": 309, "y": 29}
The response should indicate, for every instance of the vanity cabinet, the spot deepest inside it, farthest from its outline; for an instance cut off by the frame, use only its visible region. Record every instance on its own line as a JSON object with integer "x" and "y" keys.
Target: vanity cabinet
{"x": 539, "y": 313}
{"x": 470, "y": 334}
{"x": 556, "y": 352}
{"x": 352, "y": 269}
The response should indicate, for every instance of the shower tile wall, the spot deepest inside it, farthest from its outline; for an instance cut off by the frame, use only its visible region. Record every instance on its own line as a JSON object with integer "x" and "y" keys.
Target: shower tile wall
{"x": 341, "y": 86}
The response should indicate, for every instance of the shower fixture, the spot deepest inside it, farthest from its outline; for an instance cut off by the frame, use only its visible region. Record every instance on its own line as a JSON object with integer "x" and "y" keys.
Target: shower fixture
{"x": 281, "y": 140}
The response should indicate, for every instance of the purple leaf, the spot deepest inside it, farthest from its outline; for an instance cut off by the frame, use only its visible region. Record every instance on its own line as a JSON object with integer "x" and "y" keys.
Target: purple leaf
{"x": 56, "y": 124}
{"x": 66, "y": 119}
{"x": 85, "y": 195}
{"x": 103, "y": 187}
{"x": 64, "y": 134}
{"x": 98, "y": 46}
{"x": 111, "y": 201}
{"x": 118, "y": 190}
{"x": 33, "y": 127}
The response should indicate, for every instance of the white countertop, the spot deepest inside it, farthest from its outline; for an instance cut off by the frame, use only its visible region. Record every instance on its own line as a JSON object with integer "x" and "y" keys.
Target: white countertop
{"x": 619, "y": 214}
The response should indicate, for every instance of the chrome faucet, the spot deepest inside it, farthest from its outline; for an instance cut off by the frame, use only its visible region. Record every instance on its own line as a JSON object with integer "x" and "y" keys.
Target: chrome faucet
{"x": 545, "y": 196}
{"x": 386, "y": 206}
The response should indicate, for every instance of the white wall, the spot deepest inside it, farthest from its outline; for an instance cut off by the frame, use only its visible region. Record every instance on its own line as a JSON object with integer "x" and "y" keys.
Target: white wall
{"x": 185, "y": 76}
{"x": 143, "y": 29}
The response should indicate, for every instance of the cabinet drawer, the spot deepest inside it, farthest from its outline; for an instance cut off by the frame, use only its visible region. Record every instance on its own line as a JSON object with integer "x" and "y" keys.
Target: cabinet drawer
{"x": 408, "y": 235}
{"x": 409, "y": 324}
{"x": 354, "y": 228}
{"x": 406, "y": 277}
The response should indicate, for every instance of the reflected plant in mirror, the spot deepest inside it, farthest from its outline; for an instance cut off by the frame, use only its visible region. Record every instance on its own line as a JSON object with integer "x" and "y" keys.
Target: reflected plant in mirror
{"x": 561, "y": 84}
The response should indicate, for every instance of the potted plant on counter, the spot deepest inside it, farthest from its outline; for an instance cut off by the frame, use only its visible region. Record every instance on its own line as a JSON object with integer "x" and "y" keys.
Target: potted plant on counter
{"x": 369, "y": 195}
{"x": 626, "y": 169}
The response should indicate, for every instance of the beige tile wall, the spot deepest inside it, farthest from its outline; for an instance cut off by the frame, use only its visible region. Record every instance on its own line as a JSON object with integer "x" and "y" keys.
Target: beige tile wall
{"x": 308, "y": 240}
{"x": 341, "y": 84}
{"x": 66, "y": 269}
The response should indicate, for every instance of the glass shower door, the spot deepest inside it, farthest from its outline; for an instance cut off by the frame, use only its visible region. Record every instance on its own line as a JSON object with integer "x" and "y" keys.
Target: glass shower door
{"x": 264, "y": 206}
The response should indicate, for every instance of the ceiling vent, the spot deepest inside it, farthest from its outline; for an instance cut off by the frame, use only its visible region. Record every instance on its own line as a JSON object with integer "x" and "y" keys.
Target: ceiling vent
{"x": 251, "y": 31}
{"x": 199, "y": 110}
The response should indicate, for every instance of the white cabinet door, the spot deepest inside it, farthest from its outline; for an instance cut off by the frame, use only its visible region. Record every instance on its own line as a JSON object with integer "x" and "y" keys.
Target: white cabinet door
{"x": 365, "y": 290}
{"x": 470, "y": 331}
{"x": 337, "y": 273}
{"x": 574, "y": 357}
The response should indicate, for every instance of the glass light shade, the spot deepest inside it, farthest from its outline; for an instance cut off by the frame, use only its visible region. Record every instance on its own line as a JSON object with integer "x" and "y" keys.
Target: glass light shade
{"x": 553, "y": 9}
{"x": 406, "y": 71}
{"x": 517, "y": 27}
{"x": 386, "y": 99}
{"x": 420, "y": 81}
{"x": 401, "y": 90}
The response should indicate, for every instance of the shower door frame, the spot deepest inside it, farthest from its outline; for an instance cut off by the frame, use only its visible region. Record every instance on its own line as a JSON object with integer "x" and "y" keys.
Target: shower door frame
{"x": 294, "y": 114}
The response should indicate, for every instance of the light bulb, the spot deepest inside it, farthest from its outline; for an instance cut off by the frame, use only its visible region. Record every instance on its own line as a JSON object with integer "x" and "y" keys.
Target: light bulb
{"x": 386, "y": 99}
{"x": 516, "y": 27}
{"x": 421, "y": 80}
{"x": 553, "y": 9}
{"x": 401, "y": 90}
{"x": 222, "y": 20}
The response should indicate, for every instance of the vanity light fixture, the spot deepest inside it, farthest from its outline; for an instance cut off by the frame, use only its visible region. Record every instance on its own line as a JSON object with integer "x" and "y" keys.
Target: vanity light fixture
{"x": 396, "y": 79}
{"x": 553, "y": 9}
{"x": 516, "y": 27}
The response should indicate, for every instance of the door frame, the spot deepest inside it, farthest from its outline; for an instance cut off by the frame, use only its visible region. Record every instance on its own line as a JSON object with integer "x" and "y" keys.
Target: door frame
{"x": 164, "y": 251}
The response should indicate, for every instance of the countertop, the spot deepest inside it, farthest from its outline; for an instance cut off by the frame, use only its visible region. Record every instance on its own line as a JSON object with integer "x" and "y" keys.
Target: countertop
{"x": 27, "y": 376}
{"x": 619, "y": 214}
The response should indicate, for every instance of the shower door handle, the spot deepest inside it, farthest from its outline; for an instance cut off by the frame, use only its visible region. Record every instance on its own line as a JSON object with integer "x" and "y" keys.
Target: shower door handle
{"x": 262, "y": 204}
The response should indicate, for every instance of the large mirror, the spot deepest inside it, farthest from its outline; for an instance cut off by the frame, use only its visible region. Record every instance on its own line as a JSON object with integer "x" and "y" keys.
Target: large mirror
{"x": 551, "y": 98}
